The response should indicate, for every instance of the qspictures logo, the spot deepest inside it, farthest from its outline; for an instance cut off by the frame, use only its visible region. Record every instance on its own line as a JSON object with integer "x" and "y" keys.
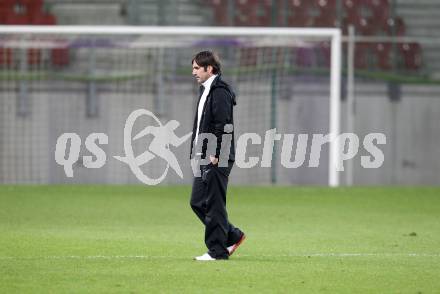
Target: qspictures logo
{"x": 164, "y": 136}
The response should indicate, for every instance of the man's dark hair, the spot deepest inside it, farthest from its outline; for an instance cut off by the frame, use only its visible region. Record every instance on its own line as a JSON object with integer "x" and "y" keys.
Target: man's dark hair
{"x": 206, "y": 58}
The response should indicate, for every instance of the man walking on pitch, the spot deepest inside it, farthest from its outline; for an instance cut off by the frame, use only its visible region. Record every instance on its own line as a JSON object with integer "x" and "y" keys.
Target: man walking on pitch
{"x": 214, "y": 115}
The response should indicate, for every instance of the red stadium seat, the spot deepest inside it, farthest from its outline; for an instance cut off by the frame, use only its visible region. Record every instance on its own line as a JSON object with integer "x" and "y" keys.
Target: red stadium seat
{"x": 19, "y": 12}
{"x": 6, "y": 56}
{"x": 318, "y": 13}
{"x": 32, "y": 6}
{"x": 7, "y": 5}
{"x": 298, "y": 13}
{"x": 60, "y": 57}
{"x": 34, "y": 56}
{"x": 248, "y": 56}
{"x": 369, "y": 17}
{"x": 43, "y": 19}
{"x": 253, "y": 13}
{"x": 220, "y": 10}
{"x": 366, "y": 15}
{"x": 412, "y": 55}
{"x": 243, "y": 12}
{"x": 3, "y": 15}
{"x": 264, "y": 14}
{"x": 325, "y": 20}
{"x": 400, "y": 26}
{"x": 397, "y": 24}
{"x": 362, "y": 55}
{"x": 28, "y": 12}
{"x": 382, "y": 51}
{"x": 326, "y": 16}
{"x": 16, "y": 19}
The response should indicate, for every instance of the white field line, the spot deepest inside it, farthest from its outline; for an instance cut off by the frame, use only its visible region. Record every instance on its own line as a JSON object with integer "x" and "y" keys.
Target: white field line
{"x": 112, "y": 257}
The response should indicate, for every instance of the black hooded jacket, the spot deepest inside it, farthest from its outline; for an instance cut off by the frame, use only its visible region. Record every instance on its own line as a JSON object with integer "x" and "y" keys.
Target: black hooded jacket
{"x": 217, "y": 112}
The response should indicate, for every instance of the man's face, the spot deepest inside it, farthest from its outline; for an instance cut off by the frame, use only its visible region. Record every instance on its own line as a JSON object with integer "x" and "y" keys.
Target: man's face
{"x": 200, "y": 74}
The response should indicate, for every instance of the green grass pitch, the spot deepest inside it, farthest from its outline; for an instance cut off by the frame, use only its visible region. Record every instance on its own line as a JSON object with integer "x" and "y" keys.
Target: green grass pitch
{"x": 135, "y": 239}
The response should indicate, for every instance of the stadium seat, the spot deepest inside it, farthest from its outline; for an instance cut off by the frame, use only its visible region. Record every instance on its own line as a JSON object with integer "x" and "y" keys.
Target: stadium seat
{"x": 13, "y": 13}
{"x": 60, "y": 57}
{"x": 29, "y": 13}
{"x": 397, "y": 24}
{"x": 383, "y": 56}
{"x": 6, "y": 56}
{"x": 242, "y": 16}
{"x": 16, "y": 19}
{"x": 325, "y": 20}
{"x": 322, "y": 13}
{"x": 264, "y": 14}
{"x": 248, "y": 56}
{"x": 31, "y": 7}
{"x": 253, "y": 13}
{"x": 362, "y": 55}
{"x": 43, "y": 19}
{"x": 7, "y": 5}
{"x": 400, "y": 26}
{"x": 3, "y": 14}
{"x": 220, "y": 10}
{"x": 412, "y": 55}
{"x": 326, "y": 16}
{"x": 298, "y": 13}
{"x": 34, "y": 56}
{"x": 366, "y": 15}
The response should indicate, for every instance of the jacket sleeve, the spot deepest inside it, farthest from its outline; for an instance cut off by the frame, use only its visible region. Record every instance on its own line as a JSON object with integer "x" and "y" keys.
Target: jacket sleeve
{"x": 221, "y": 113}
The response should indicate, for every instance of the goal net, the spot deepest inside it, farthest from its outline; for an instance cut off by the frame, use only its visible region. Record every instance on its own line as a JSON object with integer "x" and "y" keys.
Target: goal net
{"x": 85, "y": 80}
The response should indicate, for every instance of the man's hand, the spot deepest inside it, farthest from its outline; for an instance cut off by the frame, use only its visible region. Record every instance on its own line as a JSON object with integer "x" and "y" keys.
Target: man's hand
{"x": 214, "y": 160}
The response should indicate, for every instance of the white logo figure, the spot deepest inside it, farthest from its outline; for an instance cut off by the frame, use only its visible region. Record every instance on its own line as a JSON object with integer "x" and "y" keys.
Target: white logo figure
{"x": 163, "y": 137}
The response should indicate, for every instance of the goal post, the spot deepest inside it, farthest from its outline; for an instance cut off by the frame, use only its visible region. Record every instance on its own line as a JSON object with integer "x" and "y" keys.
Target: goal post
{"x": 164, "y": 38}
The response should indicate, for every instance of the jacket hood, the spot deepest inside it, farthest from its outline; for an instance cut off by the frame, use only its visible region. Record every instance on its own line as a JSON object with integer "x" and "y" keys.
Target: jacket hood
{"x": 219, "y": 83}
